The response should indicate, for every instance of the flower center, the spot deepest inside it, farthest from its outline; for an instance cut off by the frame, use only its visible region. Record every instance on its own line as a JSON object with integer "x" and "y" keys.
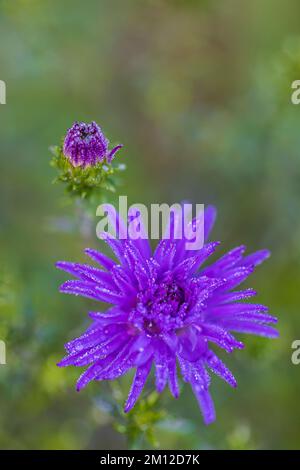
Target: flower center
{"x": 84, "y": 134}
{"x": 160, "y": 308}
{"x": 167, "y": 299}
{"x": 86, "y": 131}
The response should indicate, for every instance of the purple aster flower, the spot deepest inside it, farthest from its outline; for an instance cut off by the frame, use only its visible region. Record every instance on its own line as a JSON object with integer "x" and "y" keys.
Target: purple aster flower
{"x": 166, "y": 310}
{"x": 86, "y": 145}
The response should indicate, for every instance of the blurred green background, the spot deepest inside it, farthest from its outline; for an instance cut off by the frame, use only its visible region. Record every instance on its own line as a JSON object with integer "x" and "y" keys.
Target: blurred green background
{"x": 199, "y": 92}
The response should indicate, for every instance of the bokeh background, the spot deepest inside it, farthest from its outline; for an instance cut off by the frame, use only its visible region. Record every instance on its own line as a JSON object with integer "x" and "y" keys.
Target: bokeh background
{"x": 199, "y": 92}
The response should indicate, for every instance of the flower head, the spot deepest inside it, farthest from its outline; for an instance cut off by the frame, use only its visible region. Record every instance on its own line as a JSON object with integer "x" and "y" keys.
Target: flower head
{"x": 166, "y": 309}
{"x": 86, "y": 145}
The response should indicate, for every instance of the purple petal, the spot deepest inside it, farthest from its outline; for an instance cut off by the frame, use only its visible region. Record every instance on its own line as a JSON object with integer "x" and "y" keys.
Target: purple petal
{"x": 233, "y": 296}
{"x": 228, "y": 310}
{"x": 173, "y": 382}
{"x": 205, "y": 402}
{"x": 192, "y": 345}
{"x": 112, "y": 153}
{"x": 164, "y": 253}
{"x": 120, "y": 363}
{"x": 144, "y": 355}
{"x": 117, "y": 247}
{"x": 199, "y": 379}
{"x": 100, "y": 258}
{"x": 241, "y": 326}
{"x": 91, "y": 291}
{"x": 206, "y": 252}
{"x": 191, "y": 264}
{"x": 221, "y": 337}
{"x": 111, "y": 316}
{"x": 255, "y": 258}
{"x": 123, "y": 281}
{"x": 139, "y": 381}
{"x": 142, "y": 276}
{"x": 227, "y": 261}
{"x": 132, "y": 256}
{"x": 241, "y": 311}
{"x": 104, "y": 366}
{"x": 257, "y": 317}
{"x": 94, "y": 335}
{"x": 219, "y": 368}
{"x": 235, "y": 277}
{"x": 87, "y": 273}
{"x": 194, "y": 372}
{"x": 88, "y": 375}
{"x": 90, "y": 355}
{"x": 161, "y": 374}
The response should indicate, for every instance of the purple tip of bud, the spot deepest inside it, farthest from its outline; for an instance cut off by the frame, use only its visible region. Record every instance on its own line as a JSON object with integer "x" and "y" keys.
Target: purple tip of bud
{"x": 112, "y": 153}
{"x": 86, "y": 145}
